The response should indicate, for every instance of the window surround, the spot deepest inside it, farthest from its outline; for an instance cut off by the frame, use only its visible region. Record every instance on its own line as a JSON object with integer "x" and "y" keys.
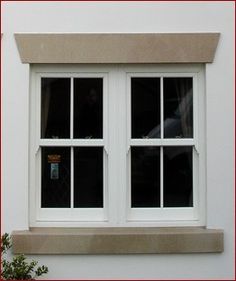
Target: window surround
{"x": 129, "y": 240}
{"x": 118, "y": 48}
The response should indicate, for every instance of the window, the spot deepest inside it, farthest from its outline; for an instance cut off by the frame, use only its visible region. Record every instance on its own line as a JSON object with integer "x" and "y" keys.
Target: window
{"x": 117, "y": 145}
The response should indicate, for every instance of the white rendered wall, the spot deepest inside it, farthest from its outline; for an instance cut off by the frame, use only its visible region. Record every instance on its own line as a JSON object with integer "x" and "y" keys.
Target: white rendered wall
{"x": 124, "y": 17}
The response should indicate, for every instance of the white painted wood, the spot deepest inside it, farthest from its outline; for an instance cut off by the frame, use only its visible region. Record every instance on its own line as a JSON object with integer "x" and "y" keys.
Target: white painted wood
{"x": 116, "y": 143}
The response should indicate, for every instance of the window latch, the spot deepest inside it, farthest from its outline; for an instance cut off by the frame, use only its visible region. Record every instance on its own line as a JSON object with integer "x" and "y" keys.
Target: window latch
{"x": 196, "y": 149}
{"x": 127, "y": 149}
{"x": 106, "y": 148}
{"x": 37, "y": 150}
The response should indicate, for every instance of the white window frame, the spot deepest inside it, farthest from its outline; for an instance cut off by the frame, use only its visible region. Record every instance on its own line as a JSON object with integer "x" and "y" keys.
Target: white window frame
{"x": 116, "y": 142}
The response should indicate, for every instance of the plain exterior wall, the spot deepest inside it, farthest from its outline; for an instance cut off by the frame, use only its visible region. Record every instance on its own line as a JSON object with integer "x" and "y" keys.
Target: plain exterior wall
{"x": 126, "y": 17}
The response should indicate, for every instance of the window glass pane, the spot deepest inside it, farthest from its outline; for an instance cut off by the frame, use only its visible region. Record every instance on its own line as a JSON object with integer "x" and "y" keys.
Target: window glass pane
{"x": 178, "y": 107}
{"x": 88, "y": 177}
{"x": 55, "y": 108}
{"x": 145, "y": 107}
{"x": 88, "y": 107}
{"x": 178, "y": 176}
{"x": 55, "y": 177}
{"x": 145, "y": 176}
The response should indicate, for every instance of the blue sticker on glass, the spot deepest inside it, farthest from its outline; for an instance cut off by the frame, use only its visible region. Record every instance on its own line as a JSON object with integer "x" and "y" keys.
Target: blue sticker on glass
{"x": 54, "y": 174}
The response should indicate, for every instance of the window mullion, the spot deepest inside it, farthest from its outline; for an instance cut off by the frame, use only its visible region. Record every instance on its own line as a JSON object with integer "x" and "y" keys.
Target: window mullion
{"x": 161, "y": 147}
{"x": 71, "y": 137}
{"x": 72, "y": 178}
{"x": 114, "y": 163}
{"x": 162, "y": 109}
{"x": 71, "y": 108}
{"x": 161, "y": 178}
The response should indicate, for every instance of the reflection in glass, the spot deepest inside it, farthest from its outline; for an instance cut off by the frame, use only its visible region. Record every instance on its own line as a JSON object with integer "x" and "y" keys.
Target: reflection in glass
{"x": 88, "y": 177}
{"x": 145, "y": 176}
{"x": 55, "y": 107}
{"x": 55, "y": 177}
{"x": 88, "y": 107}
{"x": 145, "y": 107}
{"x": 178, "y": 107}
{"x": 178, "y": 176}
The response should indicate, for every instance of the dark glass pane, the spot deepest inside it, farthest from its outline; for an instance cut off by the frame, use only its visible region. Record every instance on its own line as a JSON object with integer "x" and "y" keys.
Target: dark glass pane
{"x": 88, "y": 109}
{"x": 55, "y": 107}
{"x": 55, "y": 177}
{"x": 145, "y": 176}
{"x": 88, "y": 177}
{"x": 178, "y": 107}
{"x": 145, "y": 107}
{"x": 178, "y": 176}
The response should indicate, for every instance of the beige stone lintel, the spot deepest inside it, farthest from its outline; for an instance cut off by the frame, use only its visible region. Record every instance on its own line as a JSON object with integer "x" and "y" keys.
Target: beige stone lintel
{"x": 118, "y": 240}
{"x": 117, "y": 48}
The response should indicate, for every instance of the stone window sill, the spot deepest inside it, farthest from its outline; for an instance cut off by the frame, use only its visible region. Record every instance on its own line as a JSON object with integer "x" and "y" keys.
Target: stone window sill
{"x": 118, "y": 240}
